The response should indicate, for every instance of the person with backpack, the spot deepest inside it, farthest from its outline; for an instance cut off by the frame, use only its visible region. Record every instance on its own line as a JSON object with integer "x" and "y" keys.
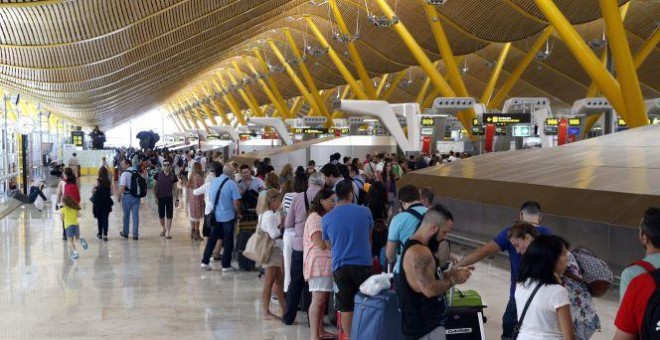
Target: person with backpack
{"x": 380, "y": 212}
{"x": 584, "y": 315}
{"x": 404, "y": 224}
{"x": 530, "y": 212}
{"x": 650, "y": 239}
{"x": 639, "y": 313}
{"x": 545, "y": 311}
{"x": 132, "y": 187}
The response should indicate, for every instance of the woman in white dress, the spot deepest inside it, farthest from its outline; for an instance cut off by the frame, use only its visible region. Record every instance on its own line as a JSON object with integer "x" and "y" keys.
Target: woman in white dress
{"x": 270, "y": 221}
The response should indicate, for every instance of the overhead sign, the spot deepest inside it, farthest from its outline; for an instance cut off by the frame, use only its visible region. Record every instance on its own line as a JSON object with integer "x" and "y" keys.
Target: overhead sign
{"x": 574, "y": 121}
{"x": 343, "y": 131}
{"x": 475, "y": 121}
{"x": 500, "y": 130}
{"x": 507, "y": 118}
{"x": 551, "y": 130}
{"x": 478, "y": 130}
{"x": 311, "y": 131}
{"x": 552, "y": 122}
{"x": 77, "y": 138}
{"x": 428, "y": 121}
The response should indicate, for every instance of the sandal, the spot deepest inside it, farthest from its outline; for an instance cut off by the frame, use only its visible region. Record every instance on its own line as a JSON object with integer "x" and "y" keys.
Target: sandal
{"x": 162, "y": 234}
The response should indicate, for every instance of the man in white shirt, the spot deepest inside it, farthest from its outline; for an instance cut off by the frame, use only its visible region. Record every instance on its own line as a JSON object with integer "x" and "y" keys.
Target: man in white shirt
{"x": 129, "y": 203}
{"x": 74, "y": 164}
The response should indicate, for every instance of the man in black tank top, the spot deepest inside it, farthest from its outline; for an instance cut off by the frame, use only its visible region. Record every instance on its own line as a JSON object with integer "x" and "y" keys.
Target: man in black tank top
{"x": 421, "y": 287}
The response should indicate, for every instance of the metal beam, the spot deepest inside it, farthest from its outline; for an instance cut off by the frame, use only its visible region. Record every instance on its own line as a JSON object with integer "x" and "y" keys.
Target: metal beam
{"x": 292, "y": 74}
{"x": 271, "y": 82}
{"x": 646, "y": 49}
{"x": 353, "y": 52}
{"x": 305, "y": 72}
{"x": 254, "y": 107}
{"x": 197, "y": 113}
{"x": 170, "y": 115}
{"x": 626, "y": 71}
{"x": 393, "y": 85}
{"x": 503, "y": 92}
{"x": 231, "y": 103}
{"x": 221, "y": 112}
{"x": 441, "y": 40}
{"x": 334, "y": 56}
{"x": 281, "y": 106}
{"x": 584, "y": 55}
{"x": 424, "y": 89}
{"x": 495, "y": 75}
{"x": 381, "y": 84}
{"x": 187, "y": 114}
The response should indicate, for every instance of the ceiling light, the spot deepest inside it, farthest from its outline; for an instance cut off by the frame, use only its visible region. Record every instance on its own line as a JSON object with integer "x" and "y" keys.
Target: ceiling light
{"x": 436, "y": 2}
{"x": 597, "y": 44}
{"x": 345, "y": 38}
{"x": 317, "y": 51}
{"x": 383, "y": 21}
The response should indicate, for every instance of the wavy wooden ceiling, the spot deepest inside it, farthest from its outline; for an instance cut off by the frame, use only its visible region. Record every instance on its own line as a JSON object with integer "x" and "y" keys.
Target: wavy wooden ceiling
{"x": 102, "y": 62}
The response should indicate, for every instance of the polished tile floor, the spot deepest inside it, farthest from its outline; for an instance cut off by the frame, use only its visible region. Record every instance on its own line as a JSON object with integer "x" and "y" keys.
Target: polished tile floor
{"x": 153, "y": 288}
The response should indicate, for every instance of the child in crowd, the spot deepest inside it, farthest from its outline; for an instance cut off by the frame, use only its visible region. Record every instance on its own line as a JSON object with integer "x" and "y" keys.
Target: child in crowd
{"x": 70, "y": 212}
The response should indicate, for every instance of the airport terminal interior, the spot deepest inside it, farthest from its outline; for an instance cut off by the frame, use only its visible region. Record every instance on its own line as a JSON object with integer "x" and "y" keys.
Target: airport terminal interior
{"x": 486, "y": 104}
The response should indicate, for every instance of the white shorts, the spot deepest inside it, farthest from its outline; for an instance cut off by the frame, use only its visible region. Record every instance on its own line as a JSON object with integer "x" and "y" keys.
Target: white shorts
{"x": 320, "y": 284}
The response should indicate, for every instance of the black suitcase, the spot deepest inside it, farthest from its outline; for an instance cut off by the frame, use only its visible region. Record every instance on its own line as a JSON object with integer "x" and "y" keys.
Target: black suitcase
{"x": 465, "y": 323}
{"x": 241, "y": 242}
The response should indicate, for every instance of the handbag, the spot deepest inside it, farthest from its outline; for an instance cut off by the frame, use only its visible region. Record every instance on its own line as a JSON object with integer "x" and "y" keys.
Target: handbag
{"x": 518, "y": 326}
{"x": 260, "y": 246}
{"x": 215, "y": 204}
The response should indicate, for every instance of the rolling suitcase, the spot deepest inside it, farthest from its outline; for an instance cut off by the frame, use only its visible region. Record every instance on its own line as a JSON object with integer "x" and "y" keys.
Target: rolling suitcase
{"x": 241, "y": 241}
{"x": 465, "y": 316}
{"x": 377, "y": 317}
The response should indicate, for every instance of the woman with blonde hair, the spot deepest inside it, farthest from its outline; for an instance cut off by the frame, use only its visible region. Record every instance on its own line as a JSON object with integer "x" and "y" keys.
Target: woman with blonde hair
{"x": 270, "y": 221}
{"x": 196, "y": 204}
{"x": 286, "y": 174}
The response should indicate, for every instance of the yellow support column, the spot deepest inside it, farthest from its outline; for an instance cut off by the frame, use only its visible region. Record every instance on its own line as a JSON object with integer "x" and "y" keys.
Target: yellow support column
{"x": 298, "y": 103}
{"x": 495, "y": 76}
{"x": 647, "y": 48}
{"x": 292, "y": 74}
{"x": 207, "y": 96}
{"x": 183, "y": 117}
{"x": 248, "y": 91}
{"x": 221, "y": 112}
{"x": 231, "y": 102}
{"x": 441, "y": 40}
{"x": 280, "y": 106}
{"x": 273, "y": 84}
{"x": 423, "y": 90}
{"x": 170, "y": 115}
{"x": 584, "y": 55}
{"x": 353, "y": 52}
{"x": 626, "y": 71}
{"x": 197, "y": 111}
{"x": 175, "y": 113}
{"x": 254, "y": 107}
{"x": 381, "y": 84}
{"x": 393, "y": 85}
{"x": 305, "y": 72}
{"x": 334, "y": 56}
{"x": 503, "y": 92}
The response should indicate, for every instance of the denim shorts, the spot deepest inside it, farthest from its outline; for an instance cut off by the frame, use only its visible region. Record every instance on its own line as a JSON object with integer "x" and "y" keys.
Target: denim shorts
{"x": 72, "y": 231}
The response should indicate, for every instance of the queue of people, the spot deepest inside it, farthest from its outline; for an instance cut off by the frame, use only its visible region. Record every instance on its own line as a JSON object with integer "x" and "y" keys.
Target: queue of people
{"x": 332, "y": 228}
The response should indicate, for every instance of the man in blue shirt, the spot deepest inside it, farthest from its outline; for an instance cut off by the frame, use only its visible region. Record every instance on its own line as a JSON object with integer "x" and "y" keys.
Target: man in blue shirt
{"x": 404, "y": 224}
{"x": 348, "y": 229}
{"x": 530, "y": 212}
{"x": 227, "y": 211}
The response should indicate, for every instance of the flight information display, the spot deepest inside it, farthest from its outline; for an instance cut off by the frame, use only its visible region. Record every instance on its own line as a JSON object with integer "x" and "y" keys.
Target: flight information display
{"x": 428, "y": 121}
{"x": 552, "y": 122}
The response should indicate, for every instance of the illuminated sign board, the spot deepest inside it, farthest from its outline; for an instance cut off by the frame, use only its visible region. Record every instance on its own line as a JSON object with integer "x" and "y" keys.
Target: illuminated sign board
{"x": 552, "y": 122}
{"x": 428, "y": 121}
{"x": 475, "y": 121}
{"x": 427, "y": 131}
{"x": 551, "y": 131}
{"x": 77, "y": 138}
{"x": 574, "y": 121}
{"x": 310, "y": 131}
{"x": 478, "y": 130}
{"x": 573, "y": 131}
{"x": 522, "y": 131}
{"x": 500, "y": 130}
{"x": 507, "y": 118}
{"x": 343, "y": 131}
{"x": 621, "y": 122}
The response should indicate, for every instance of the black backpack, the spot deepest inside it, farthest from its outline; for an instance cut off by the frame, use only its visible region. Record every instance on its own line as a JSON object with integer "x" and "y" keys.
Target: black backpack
{"x": 138, "y": 185}
{"x": 179, "y": 161}
{"x": 651, "y": 321}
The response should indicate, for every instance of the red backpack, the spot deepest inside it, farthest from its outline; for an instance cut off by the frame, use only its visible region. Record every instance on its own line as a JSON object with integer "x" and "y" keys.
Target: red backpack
{"x": 71, "y": 189}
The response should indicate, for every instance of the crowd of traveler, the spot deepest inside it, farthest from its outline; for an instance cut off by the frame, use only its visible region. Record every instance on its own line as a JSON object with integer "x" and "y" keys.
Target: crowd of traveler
{"x": 336, "y": 225}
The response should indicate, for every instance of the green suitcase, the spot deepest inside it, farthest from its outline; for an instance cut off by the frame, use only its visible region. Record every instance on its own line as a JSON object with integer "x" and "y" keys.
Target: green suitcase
{"x": 464, "y": 298}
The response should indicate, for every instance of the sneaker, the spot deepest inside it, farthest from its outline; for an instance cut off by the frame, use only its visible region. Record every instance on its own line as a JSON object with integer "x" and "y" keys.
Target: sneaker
{"x": 135, "y": 238}
{"x": 105, "y": 238}
{"x": 83, "y": 243}
{"x": 121, "y": 233}
{"x": 98, "y": 236}
{"x": 228, "y": 269}
{"x": 75, "y": 255}
{"x": 206, "y": 267}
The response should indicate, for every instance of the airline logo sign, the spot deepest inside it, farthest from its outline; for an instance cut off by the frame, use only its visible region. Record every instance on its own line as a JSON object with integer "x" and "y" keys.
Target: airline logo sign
{"x": 507, "y": 118}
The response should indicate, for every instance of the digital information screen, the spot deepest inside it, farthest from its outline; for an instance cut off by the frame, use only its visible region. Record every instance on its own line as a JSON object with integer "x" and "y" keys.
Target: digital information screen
{"x": 342, "y": 131}
{"x": 507, "y": 118}
{"x": 575, "y": 122}
{"x": 78, "y": 138}
{"x": 552, "y": 122}
{"x": 522, "y": 131}
{"x": 311, "y": 131}
{"x": 573, "y": 131}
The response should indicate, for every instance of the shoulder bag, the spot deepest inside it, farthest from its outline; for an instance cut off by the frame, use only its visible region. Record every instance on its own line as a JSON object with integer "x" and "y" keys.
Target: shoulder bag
{"x": 260, "y": 246}
{"x": 213, "y": 220}
{"x": 518, "y": 326}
